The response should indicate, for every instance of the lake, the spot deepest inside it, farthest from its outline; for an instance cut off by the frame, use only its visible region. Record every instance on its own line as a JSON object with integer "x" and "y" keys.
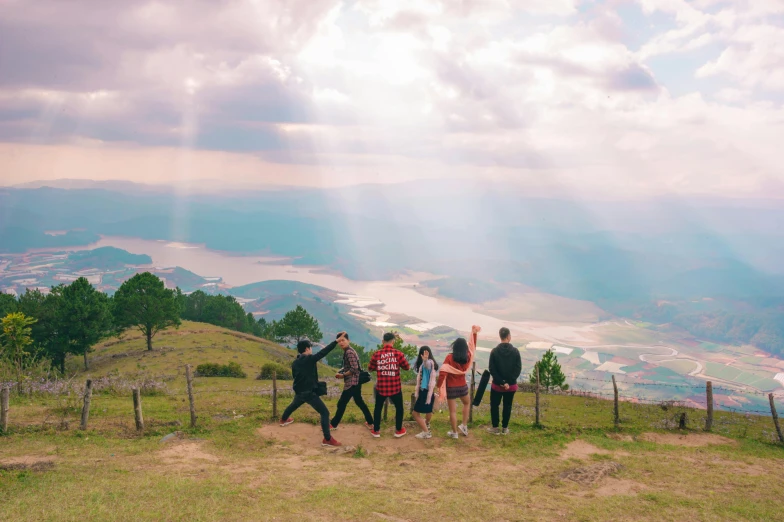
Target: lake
{"x": 397, "y": 296}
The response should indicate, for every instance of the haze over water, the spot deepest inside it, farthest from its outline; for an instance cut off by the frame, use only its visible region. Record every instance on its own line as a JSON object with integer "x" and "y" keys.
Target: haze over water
{"x": 398, "y": 296}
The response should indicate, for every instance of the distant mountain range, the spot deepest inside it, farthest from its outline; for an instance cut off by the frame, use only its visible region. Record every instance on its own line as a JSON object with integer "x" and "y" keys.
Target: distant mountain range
{"x": 622, "y": 255}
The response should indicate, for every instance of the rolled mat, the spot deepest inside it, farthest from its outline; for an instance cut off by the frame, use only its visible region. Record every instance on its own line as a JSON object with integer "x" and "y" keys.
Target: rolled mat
{"x": 480, "y": 390}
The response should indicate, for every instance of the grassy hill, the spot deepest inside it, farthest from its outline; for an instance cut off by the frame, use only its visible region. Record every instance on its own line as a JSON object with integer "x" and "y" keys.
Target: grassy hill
{"x": 193, "y": 343}
{"x": 236, "y": 464}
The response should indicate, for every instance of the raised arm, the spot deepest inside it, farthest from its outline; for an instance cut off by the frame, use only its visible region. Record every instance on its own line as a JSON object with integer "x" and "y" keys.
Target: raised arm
{"x": 324, "y": 351}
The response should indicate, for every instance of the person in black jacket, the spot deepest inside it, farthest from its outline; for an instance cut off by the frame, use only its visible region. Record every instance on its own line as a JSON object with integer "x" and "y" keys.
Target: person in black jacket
{"x": 305, "y": 372}
{"x": 505, "y": 368}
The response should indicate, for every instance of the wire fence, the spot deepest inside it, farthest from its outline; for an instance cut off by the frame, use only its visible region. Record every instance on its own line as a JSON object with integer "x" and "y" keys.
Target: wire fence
{"x": 588, "y": 404}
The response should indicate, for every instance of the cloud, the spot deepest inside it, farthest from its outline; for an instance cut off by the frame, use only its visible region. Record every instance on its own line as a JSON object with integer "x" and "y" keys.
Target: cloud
{"x": 526, "y": 90}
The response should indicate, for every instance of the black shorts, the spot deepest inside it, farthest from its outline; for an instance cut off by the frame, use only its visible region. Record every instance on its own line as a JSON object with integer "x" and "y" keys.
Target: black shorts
{"x": 456, "y": 393}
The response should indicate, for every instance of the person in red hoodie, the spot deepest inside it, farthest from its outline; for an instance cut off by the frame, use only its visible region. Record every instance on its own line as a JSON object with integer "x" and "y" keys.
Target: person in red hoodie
{"x": 387, "y": 363}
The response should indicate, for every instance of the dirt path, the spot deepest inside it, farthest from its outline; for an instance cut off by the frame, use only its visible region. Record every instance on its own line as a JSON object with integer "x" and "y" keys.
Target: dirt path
{"x": 309, "y": 436}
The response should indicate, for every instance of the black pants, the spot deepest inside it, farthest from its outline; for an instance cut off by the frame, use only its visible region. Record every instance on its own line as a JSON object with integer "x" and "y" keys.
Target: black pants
{"x": 397, "y": 400}
{"x": 355, "y": 392}
{"x": 495, "y": 402}
{"x": 316, "y": 403}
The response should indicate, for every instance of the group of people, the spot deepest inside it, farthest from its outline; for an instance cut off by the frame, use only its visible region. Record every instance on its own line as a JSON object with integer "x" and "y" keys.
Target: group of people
{"x": 434, "y": 384}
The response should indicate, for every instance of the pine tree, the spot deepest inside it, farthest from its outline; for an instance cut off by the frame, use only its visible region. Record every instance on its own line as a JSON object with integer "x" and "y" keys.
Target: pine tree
{"x": 143, "y": 302}
{"x": 550, "y": 372}
{"x": 297, "y": 325}
{"x": 86, "y": 317}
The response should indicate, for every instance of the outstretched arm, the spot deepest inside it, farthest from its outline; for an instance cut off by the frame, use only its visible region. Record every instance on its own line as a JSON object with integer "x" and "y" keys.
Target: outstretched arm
{"x": 324, "y": 351}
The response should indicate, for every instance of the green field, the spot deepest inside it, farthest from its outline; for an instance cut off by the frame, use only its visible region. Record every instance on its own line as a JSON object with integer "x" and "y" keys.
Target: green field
{"x": 681, "y": 366}
{"x": 235, "y": 465}
{"x": 760, "y": 380}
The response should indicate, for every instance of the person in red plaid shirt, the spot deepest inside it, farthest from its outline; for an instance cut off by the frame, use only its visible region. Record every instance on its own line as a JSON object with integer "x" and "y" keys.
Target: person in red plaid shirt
{"x": 387, "y": 363}
{"x": 351, "y": 387}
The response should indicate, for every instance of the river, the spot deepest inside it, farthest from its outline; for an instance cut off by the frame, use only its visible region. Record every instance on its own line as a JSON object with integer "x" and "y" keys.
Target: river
{"x": 397, "y": 296}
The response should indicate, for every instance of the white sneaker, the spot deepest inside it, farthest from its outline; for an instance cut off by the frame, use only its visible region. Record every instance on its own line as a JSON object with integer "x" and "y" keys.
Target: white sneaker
{"x": 423, "y": 435}
{"x": 463, "y": 429}
{"x": 505, "y": 431}
{"x": 451, "y": 434}
{"x": 428, "y": 426}
{"x": 494, "y": 431}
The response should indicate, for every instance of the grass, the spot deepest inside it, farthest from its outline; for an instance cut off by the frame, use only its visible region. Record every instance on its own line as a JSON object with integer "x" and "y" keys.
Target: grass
{"x": 110, "y": 472}
{"x": 193, "y": 343}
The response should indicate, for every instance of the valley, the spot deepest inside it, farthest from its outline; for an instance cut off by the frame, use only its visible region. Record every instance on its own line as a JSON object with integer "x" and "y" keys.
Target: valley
{"x": 649, "y": 363}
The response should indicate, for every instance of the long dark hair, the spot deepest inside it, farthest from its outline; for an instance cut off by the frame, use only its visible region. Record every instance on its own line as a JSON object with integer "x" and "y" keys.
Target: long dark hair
{"x": 460, "y": 351}
{"x": 419, "y": 360}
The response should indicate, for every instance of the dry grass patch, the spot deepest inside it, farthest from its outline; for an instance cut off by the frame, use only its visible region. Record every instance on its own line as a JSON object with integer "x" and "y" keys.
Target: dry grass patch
{"x": 691, "y": 440}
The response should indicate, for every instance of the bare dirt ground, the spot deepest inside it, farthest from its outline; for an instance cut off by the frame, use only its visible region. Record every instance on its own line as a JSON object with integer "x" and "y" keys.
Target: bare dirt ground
{"x": 691, "y": 440}
{"x": 580, "y": 449}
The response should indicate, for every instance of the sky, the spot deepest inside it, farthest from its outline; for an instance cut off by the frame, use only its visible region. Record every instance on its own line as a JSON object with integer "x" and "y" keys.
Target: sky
{"x": 625, "y": 98}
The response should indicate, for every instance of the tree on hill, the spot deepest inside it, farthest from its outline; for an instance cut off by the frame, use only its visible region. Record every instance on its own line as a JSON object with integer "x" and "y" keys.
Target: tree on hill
{"x": 296, "y": 325}
{"x": 16, "y": 337}
{"x": 145, "y": 303}
{"x": 85, "y": 316}
{"x": 7, "y": 304}
{"x": 550, "y": 372}
{"x": 47, "y": 332}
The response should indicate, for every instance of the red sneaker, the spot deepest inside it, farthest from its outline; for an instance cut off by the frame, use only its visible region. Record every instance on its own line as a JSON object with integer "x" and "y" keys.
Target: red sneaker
{"x": 369, "y": 426}
{"x": 286, "y": 422}
{"x": 331, "y": 442}
{"x": 375, "y": 433}
{"x": 401, "y": 433}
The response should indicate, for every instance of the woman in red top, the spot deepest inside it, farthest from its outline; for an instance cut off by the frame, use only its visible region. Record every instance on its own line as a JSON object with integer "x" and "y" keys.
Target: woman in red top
{"x": 456, "y": 386}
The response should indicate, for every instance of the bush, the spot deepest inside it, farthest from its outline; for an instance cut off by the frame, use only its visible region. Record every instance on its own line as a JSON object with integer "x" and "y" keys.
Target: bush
{"x": 282, "y": 372}
{"x": 220, "y": 370}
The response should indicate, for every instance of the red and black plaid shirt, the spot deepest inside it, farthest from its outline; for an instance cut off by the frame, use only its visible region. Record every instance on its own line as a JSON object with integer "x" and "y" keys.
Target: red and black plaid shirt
{"x": 350, "y": 369}
{"x": 387, "y": 363}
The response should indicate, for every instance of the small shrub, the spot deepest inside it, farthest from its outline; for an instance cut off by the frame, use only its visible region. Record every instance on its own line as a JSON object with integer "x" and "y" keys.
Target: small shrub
{"x": 220, "y": 370}
{"x": 282, "y": 372}
{"x": 360, "y": 452}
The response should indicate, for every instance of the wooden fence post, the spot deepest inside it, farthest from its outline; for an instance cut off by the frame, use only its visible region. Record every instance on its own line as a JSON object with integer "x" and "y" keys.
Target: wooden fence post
{"x": 709, "y": 396}
{"x": 471, "y": 408}
{"x": 773, "y": 413}
{"x": 189, "y": 381}
{"x": 274, "y": 395}
{"x": 4, "y": 397}
{"x": 413, "y": 403}
{"x": 537, "y": 394}
{"x": 88, "y": 394}
{"x": 617, "y": 417}
{"x": 682, "y": 421}
{"x": 137, "y": 409}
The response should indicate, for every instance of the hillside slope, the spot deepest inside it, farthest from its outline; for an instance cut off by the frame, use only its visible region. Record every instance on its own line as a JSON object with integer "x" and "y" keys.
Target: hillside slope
{"x": 193, "y": 343}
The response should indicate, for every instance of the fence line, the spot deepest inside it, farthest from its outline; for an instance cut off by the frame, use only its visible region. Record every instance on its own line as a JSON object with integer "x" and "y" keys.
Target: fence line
{"x": 540, "y": 407}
